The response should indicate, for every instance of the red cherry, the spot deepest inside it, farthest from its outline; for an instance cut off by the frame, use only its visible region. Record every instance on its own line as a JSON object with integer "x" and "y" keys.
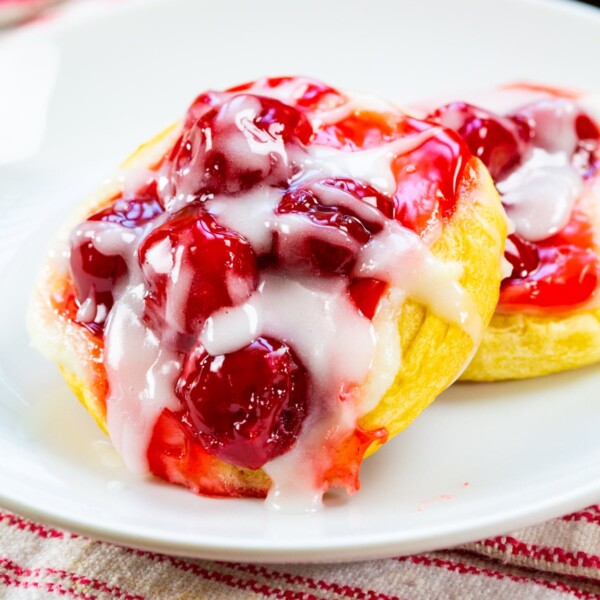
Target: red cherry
{"x": 94, "y": 273}
{"x": 240, "y": 143}
{"x": 193, "y": 266}
{"x": 246, "y": 407}
{"x": 587, "y": 153}
{"x": 176, "y": 454}
{"x": 522, "y": 255}
{"x": 366, "y": 294}
{"x": 202, "y": 104}
{"x": 300, "y": 250}
{"x": 500, "y": 142}
{"x": 566, "y": 277}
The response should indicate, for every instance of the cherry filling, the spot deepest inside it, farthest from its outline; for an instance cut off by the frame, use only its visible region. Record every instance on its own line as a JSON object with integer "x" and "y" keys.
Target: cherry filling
{"x": 265, "y": 387}
{"x": 235, "y": 145}
{"x": 500, "y": 142}
{"x": 427, "y": 177}
{"x": 193, "y": 266}
{"x": 428, "y": 180}
{"x": 95, "y": 274}
{"x": 561, "y": 271}
{"x": 334, "y": 233}
{"x": 249, "y": 406}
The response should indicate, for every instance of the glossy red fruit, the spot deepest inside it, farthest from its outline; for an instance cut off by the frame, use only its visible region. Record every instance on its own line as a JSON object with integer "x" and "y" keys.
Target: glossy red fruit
{"x": 246, "y": 407}
{"x": 193, "y": 266}
{"x": 235, "y": 145}
{"x": 427, "y": 177}
{"x": 522, "y": 255}
{"x": 366, "y": 294}
{"x": 500, "y": 142}
{"x": 567, "y": 276}
{"x": 176, "y": 454}
{"x": 202, "y": 104}
{"x": 428, "y": 180}
{"x": 587, "y": 153}
{"x": 94, "y": 273}
{"x": 334, "y": 231}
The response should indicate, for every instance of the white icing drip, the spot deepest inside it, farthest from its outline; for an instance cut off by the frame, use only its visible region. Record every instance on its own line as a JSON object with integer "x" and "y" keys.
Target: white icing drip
{"x": 388, "y": 353}
{"x": 365, "y": 209}
{"x": 141, "y": 374}
{"x": 260, "y": 144}
{"x": 87, "y": 311}
{"x": 231, "y": 328}
{"x": 373, "y": 166}
{"x": 294, "y": 488}
{"x": 252, "y": 214}
{"x": 398, "y": 255}
{"x": 160, "y": 258}
{"x": 540, "y": 195}
{"x": 554, "y": 124}
{"x": 133, "y": 178}
{"x": 315, "y": 316}
{"x": 294, "y": 228}
{"x": 109, "y": 239}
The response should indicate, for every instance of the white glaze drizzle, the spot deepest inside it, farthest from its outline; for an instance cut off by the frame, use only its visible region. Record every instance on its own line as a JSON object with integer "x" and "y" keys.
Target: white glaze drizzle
{"x": 540, "y": 195}
{"x": 372, "y": 166}
{"x": 140, "y": 370}
{"x": 314, "y": 315}
{"x": 398, "y": 256}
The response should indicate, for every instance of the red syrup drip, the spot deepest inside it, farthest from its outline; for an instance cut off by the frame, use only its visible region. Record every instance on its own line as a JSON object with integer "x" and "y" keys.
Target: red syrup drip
{"x": 265, "y": 383}
{"x": 560, "y": 272}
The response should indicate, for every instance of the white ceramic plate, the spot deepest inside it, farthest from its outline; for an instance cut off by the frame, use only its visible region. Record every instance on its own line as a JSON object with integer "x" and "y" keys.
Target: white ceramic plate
{"x": 76, "y": 99}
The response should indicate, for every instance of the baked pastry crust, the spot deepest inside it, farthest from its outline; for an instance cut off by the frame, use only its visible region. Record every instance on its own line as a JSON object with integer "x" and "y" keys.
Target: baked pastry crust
{"x": 522, "y": 345}
{"x": 519, "y": 346}
{"x": 433, "y": 350}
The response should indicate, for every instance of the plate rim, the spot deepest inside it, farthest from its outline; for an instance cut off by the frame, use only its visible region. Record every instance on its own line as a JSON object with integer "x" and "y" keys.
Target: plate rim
{"x": 370, "y": 546}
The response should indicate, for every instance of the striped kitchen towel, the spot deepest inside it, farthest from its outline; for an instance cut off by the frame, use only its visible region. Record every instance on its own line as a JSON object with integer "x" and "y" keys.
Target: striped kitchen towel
{"x": 557, "y": 559}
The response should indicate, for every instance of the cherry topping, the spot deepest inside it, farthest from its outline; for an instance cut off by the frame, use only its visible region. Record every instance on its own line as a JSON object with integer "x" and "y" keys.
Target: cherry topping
{"x": 329, "y": 245}
{"x": 587, "y": 152}
{"x": 193, "y": 266}
{"x": 202, "y": 104}
{"x": 303, "y": 92}
{"x": 500, "y": 142}
{"x": 246, "y": 407}
{"x": 428, "y": 180}
{"x": 236, "y": 145}
{"x": 522, "y": 255}
{"x": 94, "y": 273}
{"x": 566, "y": 276}
{"x": 132, "y": 213}
{"x": 176, "y": 454}
{"x": 366, "y": 294}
